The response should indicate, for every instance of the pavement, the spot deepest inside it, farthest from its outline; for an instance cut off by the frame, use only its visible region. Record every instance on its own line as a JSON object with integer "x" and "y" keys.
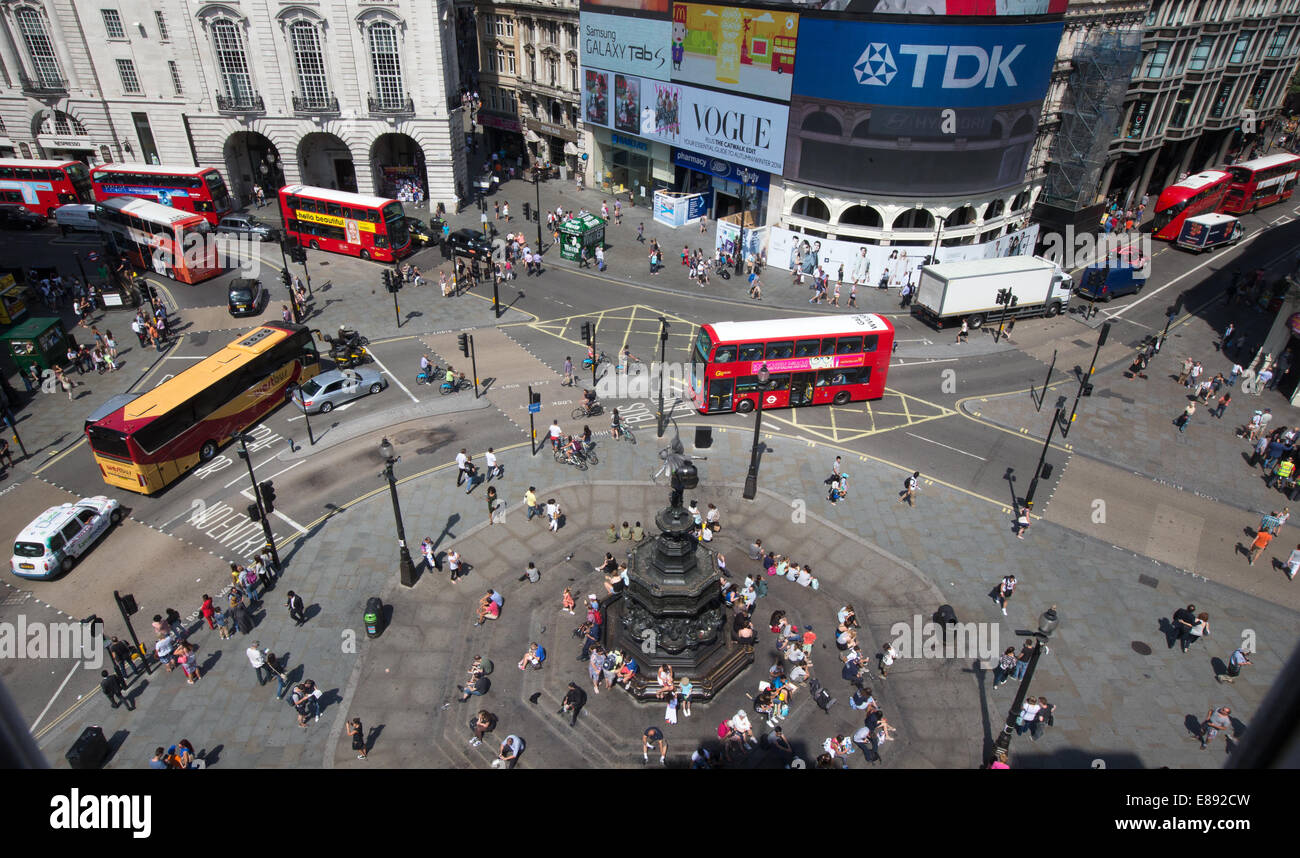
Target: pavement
{"x": 1122, "y": 695}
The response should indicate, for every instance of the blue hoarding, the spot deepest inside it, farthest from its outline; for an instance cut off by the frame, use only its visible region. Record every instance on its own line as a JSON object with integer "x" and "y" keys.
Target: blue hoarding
{"x": 923, "y": 65}
{"x": 721, "y": 168}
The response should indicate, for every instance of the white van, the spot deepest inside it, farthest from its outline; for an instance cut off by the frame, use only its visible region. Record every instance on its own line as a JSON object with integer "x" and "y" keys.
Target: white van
{"x": 75, "y": 216}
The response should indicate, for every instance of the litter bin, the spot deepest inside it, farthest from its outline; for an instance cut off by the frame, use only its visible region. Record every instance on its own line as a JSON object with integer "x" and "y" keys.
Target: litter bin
{"x": 89, "y": 751}
{"x": 374, "y": 617}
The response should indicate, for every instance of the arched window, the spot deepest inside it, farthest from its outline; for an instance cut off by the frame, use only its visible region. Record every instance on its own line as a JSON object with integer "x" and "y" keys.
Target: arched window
{"x": 386, "y": 65}
{"x": 36, "y": 35}
{"x": 64, "y": 124}
{"x": 232, "y": 62}
{"x": 861, "y": 216}
{"x": 811, "y": 207}
{"x": 821, "y": 122}
{"x": 309, "y": 61}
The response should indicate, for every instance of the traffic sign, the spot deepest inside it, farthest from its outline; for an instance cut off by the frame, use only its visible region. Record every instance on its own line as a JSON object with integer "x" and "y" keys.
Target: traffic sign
{"x": 534, "y": 407}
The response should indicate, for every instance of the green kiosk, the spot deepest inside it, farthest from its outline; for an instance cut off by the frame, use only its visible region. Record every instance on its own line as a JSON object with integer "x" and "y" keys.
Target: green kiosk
{"x": 38, "y": 342}
{"x": 586, "y": 231}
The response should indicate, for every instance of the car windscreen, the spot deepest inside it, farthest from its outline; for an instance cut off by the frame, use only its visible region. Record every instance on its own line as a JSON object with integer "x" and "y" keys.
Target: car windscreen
{"x": 310, "y": 388}
{"x": 29, "y": 549}
{"x": 241, "y": 294}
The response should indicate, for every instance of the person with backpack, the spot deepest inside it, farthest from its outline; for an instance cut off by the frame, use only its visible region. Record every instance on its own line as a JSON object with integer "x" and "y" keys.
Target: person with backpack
{"x": 910, "y": 487}
{"x": 251, "y": 581}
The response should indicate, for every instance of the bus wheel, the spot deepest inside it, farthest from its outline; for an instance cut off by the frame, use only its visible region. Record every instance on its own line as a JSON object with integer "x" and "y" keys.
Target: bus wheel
{"x": 314, "y": 245}
{"x": 1053, "y": 309}
{"x": 745, "y": 406}
{"x": 207, "y": 451}
{"x": 365, "y": 254}
{"x": 842, "y": 397}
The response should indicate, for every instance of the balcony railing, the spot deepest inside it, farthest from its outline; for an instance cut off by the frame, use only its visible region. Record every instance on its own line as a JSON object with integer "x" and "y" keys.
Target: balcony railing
{"x": 248, "y": 103}
{"x": 391, "y": 105}
{"x": 315, "y": 104}
{"x": 45, "y": 84}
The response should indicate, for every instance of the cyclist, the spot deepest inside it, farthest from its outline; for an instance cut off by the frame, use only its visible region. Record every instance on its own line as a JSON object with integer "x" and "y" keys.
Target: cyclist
{"x": 588, "y": 401}
{"x": 574, "y": 448}
{"x": 616, "y": 425}
{"x": 450, "y": 378}
{"x": 587, "y": 443}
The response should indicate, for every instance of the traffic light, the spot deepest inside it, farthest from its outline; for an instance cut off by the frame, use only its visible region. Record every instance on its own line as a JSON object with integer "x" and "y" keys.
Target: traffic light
{"x": 1002, "y": 297}
{"x": 127, "y": 602}
{"x": 482, "y": 203}
{"x": 463, "y": 340}
{"x": 1047, "y": 471}
{"x": 537, "y": 215}
{"x": 1014, "y": 301}
{"x": 528, "y": 212}
{"x": 297, "y": 253}
{"x": 534, "y": 398}
{"x": 267, "y": 491}
{"x": 253, "y": 513}
{"x": 284, "y": 276}
{"x": 587, "y": 332}
{"x": 386, "y": 275}
{"x": 1086, "y": 390}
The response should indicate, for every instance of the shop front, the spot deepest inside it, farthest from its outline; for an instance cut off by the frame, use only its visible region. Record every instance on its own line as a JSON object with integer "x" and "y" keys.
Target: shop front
{"x": 503, "y": 133}
{"x": 625, "y": 163}
{"x": 550, "y": 143}
{"x": 729, "y": 187}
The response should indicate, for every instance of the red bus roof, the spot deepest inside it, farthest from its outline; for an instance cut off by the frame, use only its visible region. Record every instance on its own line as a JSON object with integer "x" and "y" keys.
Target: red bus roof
{"x": 150, "y": 211}
{"x": 29, "y": 162}
{"x": 155, "y": 169}
{"x": 335, "y": 196}
{"x": 804, "y": 326}
{"x": 1190, "y": 187}
{"x": 1267, "y": 161}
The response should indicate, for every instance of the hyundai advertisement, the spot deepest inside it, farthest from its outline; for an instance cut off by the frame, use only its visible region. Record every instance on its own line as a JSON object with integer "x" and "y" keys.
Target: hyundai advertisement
{"x": 917, "y": 109}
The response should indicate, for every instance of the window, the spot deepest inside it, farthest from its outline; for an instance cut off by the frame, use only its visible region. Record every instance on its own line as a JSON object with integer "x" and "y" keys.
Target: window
{"x": 176, "y": 77}
{"x": 36, "y": 36}
{"x": 751, "y": 351}
{"x": 386, "y": 65}
{"x": 126, "y": 71}
{"x": 1279, "y": 41}
{"x": 304, "y": 39}
{"x": 1239, "y": 48}
{"x": 849, "y": 346}
{"x": 532, "y": 69}
{"x": 232, "y": 64}
{"x": 505, "y": 26}
{"x": 573, "y": 77}
{"x": 553, "y": 71}
{"x": 1200, "y": 54}
{"x": 725, "y": 354}
{"x": 779, "y": 350}
{"x": 161, "y": 21}
{"x": 113, "y": 23}
{"x": 1156, "y": 60}
{"x": 807, "y": 348}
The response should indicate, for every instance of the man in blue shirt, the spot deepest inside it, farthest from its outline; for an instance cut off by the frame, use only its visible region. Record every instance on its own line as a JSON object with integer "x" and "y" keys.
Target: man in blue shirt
{"x": 1236, "y": 661}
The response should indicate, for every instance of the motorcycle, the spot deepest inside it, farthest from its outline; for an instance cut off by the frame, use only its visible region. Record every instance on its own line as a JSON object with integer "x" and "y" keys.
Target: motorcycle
{"x": 348, "y": 349}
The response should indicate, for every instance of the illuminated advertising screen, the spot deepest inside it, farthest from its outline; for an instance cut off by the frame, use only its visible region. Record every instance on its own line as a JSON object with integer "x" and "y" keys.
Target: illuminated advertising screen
{"x": 917, "y": 109}
{"x": 742, "y": 49}
{"x": 619, "y": 43}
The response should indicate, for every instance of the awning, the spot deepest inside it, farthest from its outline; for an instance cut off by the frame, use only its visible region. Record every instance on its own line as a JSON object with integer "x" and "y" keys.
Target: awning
{"x": 571, "y": 148}
{"x": 531, "y": 136}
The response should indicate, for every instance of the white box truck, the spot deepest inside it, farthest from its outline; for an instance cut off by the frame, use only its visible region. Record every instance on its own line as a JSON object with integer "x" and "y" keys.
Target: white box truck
{"x": 952, "y": 291}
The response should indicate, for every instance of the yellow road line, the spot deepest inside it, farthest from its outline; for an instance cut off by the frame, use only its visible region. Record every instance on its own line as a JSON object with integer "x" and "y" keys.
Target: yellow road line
{"x": 60, "y": 455}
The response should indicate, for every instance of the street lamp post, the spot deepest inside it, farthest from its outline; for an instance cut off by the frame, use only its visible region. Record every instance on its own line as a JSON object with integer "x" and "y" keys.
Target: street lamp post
{"x": 1038, "y": 471}
{"x": 663, "y": 341}
{"x": 740, "y": 245}
{"x": 311, "y": 439}
{"x": 751, "y": 478}
{"x": 243, "y": 439}
{"x": 404, "y": 562}
{"x": 1047, "y": 623}
{"x": 537, "y": 209}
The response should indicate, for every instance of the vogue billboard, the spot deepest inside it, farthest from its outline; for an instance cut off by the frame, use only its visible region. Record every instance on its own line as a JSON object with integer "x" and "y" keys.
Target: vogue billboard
{"x": 742, "y": 130}
{"x": 917, "y": 108}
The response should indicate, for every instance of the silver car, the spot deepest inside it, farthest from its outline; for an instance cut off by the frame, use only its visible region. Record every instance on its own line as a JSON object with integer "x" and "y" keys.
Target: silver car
{"x": 337, "y": 386}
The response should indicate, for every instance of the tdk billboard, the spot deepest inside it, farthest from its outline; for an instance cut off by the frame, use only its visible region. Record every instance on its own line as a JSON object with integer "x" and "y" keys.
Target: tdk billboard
{"x": 907, "y": 65}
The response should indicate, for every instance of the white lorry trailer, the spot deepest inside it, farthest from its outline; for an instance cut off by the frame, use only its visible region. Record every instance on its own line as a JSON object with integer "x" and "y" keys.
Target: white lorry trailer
{"x": 951, "y": 291}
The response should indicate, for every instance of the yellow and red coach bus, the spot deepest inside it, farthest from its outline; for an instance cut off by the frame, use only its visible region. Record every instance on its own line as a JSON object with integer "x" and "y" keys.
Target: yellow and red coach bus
{"x": 810, "y": 361}
{"x": 355, "y": 224}
{"x": 160, "y": 435}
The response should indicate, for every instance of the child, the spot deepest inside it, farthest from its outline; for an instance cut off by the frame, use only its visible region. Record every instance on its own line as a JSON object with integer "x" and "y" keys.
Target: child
{"x": 685, "y": 693}
{"x": 426, "y": 548}
{"x": 569, "y": 602}
{"x": 357, "y": 733}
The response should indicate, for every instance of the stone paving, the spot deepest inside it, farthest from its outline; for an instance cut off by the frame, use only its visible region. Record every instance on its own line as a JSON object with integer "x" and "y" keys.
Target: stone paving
{"x": 1115, "y": 701}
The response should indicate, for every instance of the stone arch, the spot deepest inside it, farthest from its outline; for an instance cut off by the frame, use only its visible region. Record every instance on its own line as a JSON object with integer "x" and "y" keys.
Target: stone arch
{"x": 821, "y": 122}
{"x": 913, "y": 219}
{"x": 1024, "y": 126}
{"x": 397, "y": 166}
{"x": 962, "y": 216}
{"x": 325, "y": 160}
{"x": 52, "y": 121}
{"x": 1021, "y": 201}
{"x": 995, "y": 209}
{"x": 252, "y": 158}
{"x": 811, "y": 207}
{"x": 861, "y": 216}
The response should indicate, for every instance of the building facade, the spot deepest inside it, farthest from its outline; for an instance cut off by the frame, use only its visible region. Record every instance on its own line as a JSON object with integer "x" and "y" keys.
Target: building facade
{"x": 527, "y": 80}
{"x": 351, "y": 95}
{"x": 1203, "y": 85}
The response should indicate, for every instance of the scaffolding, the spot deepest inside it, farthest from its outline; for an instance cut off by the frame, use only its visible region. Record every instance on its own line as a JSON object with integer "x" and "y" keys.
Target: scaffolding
{"x": 1090, "y": 112}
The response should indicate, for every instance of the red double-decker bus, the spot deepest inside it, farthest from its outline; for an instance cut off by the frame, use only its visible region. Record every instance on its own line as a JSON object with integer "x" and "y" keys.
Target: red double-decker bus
{"x": 159, "y": 238}
{"x": 200, "y": 190}
{"x": 355, "y": 224}
{"x": 1198, "y": 194}
{"x": 1261, "y": 182}
{"x": 809, "y": 361}
{"x": 43, "y": 186}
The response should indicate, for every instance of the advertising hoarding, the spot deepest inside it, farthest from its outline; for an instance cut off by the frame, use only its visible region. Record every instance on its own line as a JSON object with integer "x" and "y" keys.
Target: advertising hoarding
{"x": 742, "y": 130}
{"x": 619, "y": 43}
{"x": 742, "y": 49}
{"x": 923, "y": 110}
{"x": 675, "y": 210}
{"x": 881, "y": 265}
{"x": 721, "y": 168}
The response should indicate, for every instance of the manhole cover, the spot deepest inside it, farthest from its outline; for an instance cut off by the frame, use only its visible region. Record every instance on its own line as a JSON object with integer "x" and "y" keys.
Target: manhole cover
{"x": 1140, "y": 648}
{"x": 1149, "y": 581}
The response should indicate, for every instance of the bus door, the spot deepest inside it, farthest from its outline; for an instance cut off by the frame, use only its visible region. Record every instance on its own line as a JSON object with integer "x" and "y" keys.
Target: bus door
{"x": 801, "y": 388}
{"x": 721, "y": 391}
{"x": 776, "y": 393}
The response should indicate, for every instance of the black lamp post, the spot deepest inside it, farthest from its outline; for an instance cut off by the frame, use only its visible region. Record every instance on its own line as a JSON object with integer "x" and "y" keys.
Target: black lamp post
{"x": 1047, "y": 623}
{"x": 258, "y": 506}
{"x": 406, "y": 567}
{"x": 663, "y": 340}
{"x": 1042, "y": 457}
{"x": 751, "y": 478}
{"x": 740, "y": 246}
{"x": 303, "y": 405}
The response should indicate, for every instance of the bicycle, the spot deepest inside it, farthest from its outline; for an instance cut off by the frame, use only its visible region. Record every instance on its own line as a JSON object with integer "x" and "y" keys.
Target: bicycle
{"x": 563, "y": 457}
{"x": 447, "y": 387}
{"x": 624, "y": 432}
{"x": 581, "y": 413}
